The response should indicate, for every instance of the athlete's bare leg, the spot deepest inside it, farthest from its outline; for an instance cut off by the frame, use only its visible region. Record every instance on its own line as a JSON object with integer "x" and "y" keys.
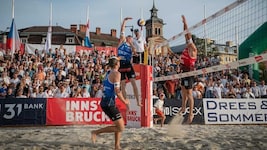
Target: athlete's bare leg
{"x": 135, "y": 90}
{"x": 117, "y": 129}
{"x": 123, "y": 88}
{"x": 191, "y": 106}
{"x": 184, "y": 100}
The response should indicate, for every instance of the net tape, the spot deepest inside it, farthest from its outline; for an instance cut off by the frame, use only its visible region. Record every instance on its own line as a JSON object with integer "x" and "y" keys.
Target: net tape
{"x": 232, "y": 65}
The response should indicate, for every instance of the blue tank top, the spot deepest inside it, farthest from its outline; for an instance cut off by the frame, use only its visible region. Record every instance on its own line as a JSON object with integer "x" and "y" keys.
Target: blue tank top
{"x": 109, "y": 94}
{"x": 125, "y": 52}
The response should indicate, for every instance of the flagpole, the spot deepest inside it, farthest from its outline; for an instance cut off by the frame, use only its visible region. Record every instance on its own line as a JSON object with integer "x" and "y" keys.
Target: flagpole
{"x": 48, "y": 42}
{"x": 13, "y": 33}
{"x": 87, "y": 42}
{"x": 87, "y": 14}
{"x": 51, "y": 12}
{"x": 13, "y": 10}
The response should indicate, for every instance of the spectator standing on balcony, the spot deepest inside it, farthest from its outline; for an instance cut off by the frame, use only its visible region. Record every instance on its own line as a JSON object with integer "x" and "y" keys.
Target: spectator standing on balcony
{"x": 188, "y": 59}
{"x": 112, "y": 88}
{"x": 126, "y": 50}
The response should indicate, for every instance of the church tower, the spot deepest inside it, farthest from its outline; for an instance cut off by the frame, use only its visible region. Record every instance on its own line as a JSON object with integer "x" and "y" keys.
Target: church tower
{"x": 154, "y": 25}
{"x": 154, "y": 34}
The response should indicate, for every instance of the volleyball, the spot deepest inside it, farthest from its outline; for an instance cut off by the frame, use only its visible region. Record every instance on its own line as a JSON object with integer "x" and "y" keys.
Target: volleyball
{"x": 141, "y": 22}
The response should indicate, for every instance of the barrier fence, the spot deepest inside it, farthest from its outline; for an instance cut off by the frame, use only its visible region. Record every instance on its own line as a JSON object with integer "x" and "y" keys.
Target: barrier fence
{"x": 86, "y": 111}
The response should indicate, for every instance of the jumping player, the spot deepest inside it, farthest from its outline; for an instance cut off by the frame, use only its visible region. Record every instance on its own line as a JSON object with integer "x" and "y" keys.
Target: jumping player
{"x": 188, "y": 59}
{"x": 126, "y": 50}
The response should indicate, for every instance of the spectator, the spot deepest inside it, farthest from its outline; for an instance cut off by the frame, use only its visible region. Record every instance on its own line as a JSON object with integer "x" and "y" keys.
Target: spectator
{"x": 3, "y": 90}
{"x": 248, "y": 93}
{"x": 263, "y": 89}
{"x": 159, "y": 109}
{"x": 5, "y": 78}
{"x": 196, "y": 93}
{"x": 34, "y": 93}
{"x": 41, "y": 93}
{"x": 255, "y": 90}
{"x": 217, "y": 90}
{"x": 50, "y": 91}
{"x": 231, "y": 93}
{"x": 10, "y": 93}
{"x": 85, "y": 93}
{"x": 61, "y": 92}
{"x": 20, "y": 94}
{"x": 209, "y": 87}
{"x": 99, "y": 92}
{"x": 15, "y": 79}
{"x": 170, "y": 86}
{"x": 24, "y": 87}
{"x": 78, "y": 93}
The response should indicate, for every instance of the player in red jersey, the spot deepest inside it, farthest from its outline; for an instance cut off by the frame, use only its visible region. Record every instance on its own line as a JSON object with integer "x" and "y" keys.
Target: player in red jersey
{"x": 188, "y": 59}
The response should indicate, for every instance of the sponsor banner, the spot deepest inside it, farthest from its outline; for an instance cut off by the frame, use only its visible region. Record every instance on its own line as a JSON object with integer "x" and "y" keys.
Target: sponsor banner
{"x": 30, "y": 48}
{"x": 235, "y": 111}
{"x": 23, "y": 111}
{"x": 134, "y": 112}
{"x": 69, "y": 111}
{"x": 71, "y": 49}
{"x": 106, "y": 50}
{"x": 173, "y": 106}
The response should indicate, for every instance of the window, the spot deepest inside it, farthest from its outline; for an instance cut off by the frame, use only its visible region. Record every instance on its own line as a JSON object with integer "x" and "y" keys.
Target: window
{"x": 69, "y": 40}
{"x": 24, "y": 40}
{"x": 43, "y": 40}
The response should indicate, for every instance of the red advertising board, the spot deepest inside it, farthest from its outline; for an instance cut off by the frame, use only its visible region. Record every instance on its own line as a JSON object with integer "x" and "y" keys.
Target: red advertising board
{"x": 69, "y": 111}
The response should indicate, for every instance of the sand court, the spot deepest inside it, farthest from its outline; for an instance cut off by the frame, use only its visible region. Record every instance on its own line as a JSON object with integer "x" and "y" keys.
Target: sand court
{"x": 191, "y": 137}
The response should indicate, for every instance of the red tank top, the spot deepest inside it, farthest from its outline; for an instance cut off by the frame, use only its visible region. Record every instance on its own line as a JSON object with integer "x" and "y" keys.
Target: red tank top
{"x": 186, "y": 60}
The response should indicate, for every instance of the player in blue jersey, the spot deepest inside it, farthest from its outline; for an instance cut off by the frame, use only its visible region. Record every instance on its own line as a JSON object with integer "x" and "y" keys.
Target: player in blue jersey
{"x": 111, "y": 90}
{"x": 126, "y": 50}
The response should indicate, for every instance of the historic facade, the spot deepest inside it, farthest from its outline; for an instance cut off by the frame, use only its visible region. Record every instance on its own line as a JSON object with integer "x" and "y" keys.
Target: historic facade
{"x": 154, "y": 33}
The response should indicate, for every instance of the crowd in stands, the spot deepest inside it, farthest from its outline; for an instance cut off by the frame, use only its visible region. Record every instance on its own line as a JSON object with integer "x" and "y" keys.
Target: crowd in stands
{"x": 52, "y": 74}
{"x": 56, "y": 74}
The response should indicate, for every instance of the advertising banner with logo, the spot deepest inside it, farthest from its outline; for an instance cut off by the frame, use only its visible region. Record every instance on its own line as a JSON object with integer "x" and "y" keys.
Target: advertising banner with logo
{"x": 173, "y": 106}
{"x": 235, "y": 111}
{"x": 78, "y": 111}
{"x": 71, "y": 49}
{"x": 22, "y": 111}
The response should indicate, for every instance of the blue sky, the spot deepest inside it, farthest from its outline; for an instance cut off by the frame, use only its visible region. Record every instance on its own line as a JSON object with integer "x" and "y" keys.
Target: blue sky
{"x": 106, "y": 13}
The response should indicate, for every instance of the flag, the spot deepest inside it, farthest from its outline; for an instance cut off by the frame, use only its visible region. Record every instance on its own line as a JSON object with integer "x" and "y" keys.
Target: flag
{"x": 48, "y": 39}
{"x": 87, "y": 42}
{"x": 13, "y": 40}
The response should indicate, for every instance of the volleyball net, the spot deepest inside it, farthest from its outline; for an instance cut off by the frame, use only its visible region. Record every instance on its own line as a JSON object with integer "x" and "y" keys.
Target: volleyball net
{"x": 220, "y": 35}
